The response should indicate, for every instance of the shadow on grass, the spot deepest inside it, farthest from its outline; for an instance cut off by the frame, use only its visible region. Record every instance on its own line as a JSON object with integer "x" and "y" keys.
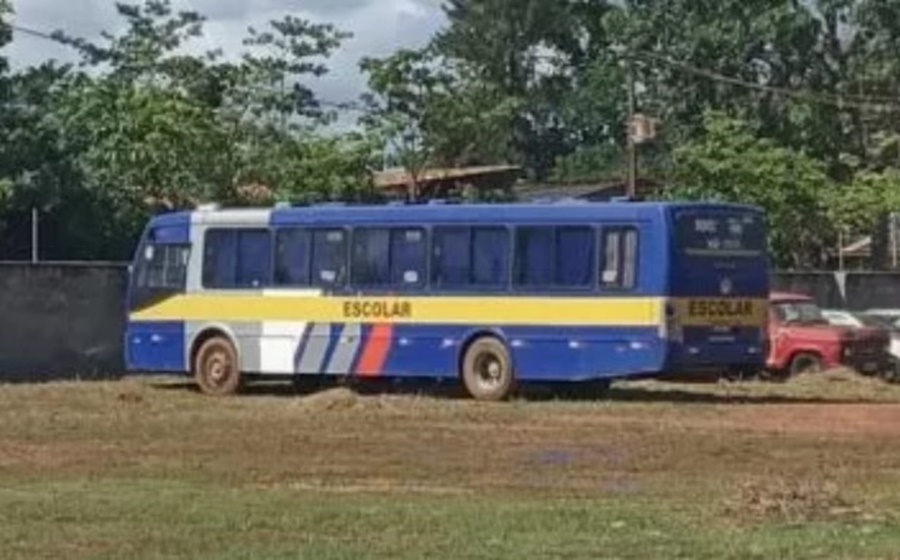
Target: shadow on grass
{"x": 692, "y": 393}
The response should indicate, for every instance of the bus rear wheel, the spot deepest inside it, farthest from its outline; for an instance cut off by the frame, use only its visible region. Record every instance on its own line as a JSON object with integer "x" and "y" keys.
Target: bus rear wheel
{"x": 216, "y": 367}
{"x": 487, "y": 371}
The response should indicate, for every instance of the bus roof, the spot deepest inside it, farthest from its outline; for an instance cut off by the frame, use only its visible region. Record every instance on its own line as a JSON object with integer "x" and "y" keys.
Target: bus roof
{"x": 485, "y": 213}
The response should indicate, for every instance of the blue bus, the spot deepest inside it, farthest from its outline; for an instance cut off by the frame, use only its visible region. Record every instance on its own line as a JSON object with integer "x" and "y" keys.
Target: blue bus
{"x": 490, "y": 295}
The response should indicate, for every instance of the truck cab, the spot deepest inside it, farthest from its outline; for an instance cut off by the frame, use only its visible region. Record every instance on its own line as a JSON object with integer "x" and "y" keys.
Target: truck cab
{"x": 802, "y": 340}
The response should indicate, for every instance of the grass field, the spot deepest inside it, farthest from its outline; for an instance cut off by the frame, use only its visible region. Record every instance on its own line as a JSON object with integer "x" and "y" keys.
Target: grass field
{"x": 150, "y": 469}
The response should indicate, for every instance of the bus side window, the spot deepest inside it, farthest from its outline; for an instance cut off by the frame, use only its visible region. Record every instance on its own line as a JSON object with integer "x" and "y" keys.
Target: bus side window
{"x": 292, "y": 255}
{"x": 534, "y": 250}
{"x": 219, "y": 258}
{"x": 371, "y": 257}
{"x": 557, "y": 257}
{"x": 471, "y": 257}
{"x": 451, "y": 253}
{"x": 490, "y": 257}
{"x": 329, "y": 258}
{"x": 409, "y": 257}
{"x": 575, "y": 256}
{"x": 618, "y": 261}
{"x": 254, "y": 268}
{"x": 237, "y": 258}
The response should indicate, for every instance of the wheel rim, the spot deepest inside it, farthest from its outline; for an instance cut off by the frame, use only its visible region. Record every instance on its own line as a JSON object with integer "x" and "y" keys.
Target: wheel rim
{"x": 218, "y": 368}
{"x": 489, "y": 371}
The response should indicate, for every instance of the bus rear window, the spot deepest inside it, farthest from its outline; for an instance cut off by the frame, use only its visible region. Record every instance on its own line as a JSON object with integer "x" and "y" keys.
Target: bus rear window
{"x": 718, "y": 234}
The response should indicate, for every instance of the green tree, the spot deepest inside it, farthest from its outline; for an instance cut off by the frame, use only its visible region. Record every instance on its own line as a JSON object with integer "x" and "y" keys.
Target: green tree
{"x": 528, "y": 51}
{"x": 5, "y": 31}
{"x": 431, "y": 112}
{"x": 856, "y": 208}
{"x": 140, "y": 126}
{"x": 279, "y": 59}
{"x": 731, "y": 163}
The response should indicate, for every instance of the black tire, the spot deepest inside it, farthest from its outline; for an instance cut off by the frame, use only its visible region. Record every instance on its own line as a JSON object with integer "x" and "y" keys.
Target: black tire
{"x": 805, "y": 362}
{"x": 487, "y": 371}
{"x": 216, "y": 368}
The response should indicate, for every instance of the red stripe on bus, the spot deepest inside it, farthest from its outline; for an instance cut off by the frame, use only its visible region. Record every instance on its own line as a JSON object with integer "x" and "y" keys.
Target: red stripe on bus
{"x": 375, "y": 353}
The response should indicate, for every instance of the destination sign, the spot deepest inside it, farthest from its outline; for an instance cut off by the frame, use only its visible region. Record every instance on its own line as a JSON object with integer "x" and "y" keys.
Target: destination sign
{"x": 721, "y": 312}
{"x": 720, "y": 308}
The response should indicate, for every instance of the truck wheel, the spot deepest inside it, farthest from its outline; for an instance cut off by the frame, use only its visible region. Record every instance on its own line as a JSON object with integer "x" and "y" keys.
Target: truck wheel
{"x": 216, "y": 367}
{"x": 805, "y": 362}
{"x": 487, "y": 370}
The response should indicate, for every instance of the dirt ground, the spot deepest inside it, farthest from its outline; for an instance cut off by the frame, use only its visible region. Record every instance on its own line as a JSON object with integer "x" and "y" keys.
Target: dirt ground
{"x": 812, "y": 449}
{"x": 647, "y": 432}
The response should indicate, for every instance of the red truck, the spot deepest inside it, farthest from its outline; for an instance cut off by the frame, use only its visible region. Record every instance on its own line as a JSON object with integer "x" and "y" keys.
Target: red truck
{"x": 801, "y": 340}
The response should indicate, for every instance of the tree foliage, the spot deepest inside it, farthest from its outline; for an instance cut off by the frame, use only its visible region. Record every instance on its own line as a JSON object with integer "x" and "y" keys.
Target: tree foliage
{"x": 809, "y": 89}
{"x": 794, "y": 106}
{"x": 730, "y": 163}
{"x": 430, "y": 114}
{"x": 140, "y": 125}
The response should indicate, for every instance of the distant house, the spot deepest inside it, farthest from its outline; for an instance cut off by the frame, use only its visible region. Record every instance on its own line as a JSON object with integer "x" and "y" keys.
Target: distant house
{"x": 594, "y": 192}
{"x": 445, "y": 183}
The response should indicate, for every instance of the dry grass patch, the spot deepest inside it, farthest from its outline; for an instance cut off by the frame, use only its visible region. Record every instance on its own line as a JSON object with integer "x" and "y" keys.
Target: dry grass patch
{"x": 793, "y": 500}
{"x": 653, "y": 467}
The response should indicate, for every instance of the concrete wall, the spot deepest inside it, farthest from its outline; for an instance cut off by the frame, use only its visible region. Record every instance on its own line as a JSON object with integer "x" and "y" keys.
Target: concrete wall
{"x": 61, "y": 321}
{"x": 66, "y": 320}
{"x": 852, "y": 290}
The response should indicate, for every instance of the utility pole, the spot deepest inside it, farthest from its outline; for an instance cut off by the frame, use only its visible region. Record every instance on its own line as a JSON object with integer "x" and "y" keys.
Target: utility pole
{"x": 35, "y": 252}
{"x": 632, "y": 148}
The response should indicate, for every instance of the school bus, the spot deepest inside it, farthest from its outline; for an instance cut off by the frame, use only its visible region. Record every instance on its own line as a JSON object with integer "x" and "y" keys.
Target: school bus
{"x": 491, "y": 295}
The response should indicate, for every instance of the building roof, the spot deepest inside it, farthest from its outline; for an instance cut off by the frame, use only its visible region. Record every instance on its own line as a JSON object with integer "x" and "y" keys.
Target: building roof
{"x": 393, "y": 179}
{"x": 599, "y": 191}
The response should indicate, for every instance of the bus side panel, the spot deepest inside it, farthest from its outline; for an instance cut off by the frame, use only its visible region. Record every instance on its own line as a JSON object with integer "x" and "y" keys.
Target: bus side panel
{"x": 538, "y": 353}
{"x": 579, "y": 354}
{"x": 156, "y": 346}
{"x": 417, "y": 350}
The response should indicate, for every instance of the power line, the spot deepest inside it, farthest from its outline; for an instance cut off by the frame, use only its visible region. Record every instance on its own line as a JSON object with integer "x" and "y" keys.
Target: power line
{"x": 836, "y": 100}
{"x": 342, "y": 105}
{"x": 840, "y": 101}
{"x": 35, "y": 33}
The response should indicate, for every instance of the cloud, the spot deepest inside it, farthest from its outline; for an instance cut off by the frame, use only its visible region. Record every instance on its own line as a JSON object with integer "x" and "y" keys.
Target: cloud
{"x": 379, "y": 27}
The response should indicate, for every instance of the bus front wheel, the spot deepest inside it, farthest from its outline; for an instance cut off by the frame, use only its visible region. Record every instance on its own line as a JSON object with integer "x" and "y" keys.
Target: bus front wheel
{"x": 487, "y": 371}
{"x": 216, "y": 367}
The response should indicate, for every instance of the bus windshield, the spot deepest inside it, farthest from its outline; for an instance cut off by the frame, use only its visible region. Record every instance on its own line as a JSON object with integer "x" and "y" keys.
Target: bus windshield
{"x": 718, "y": 234}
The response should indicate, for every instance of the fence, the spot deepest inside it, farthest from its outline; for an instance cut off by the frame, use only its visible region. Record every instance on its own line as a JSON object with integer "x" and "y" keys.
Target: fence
{"x": 844, "y": 290}
{"x": 66, "y": 320}
{"x": 61, "y": 320}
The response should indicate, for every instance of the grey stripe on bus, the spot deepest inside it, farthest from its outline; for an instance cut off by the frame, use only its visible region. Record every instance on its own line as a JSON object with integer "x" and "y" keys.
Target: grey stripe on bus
{"x": 249, "y": 336}
{"x": 343, "y": 356}
{"x": 313, "y": 357}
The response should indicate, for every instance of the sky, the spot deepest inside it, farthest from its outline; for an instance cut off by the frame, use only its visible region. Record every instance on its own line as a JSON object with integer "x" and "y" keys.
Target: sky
{"x": 379, "y": 28}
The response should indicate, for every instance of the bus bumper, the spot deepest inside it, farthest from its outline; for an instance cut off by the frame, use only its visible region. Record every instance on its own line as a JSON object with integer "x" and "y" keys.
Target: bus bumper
{"x": 716, "y": 359}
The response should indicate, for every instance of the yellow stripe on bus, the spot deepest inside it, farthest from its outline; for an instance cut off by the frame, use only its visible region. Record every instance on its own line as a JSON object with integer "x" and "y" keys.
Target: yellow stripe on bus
{"x": 526, "y": 311}
{"x": 619, "y": 312}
